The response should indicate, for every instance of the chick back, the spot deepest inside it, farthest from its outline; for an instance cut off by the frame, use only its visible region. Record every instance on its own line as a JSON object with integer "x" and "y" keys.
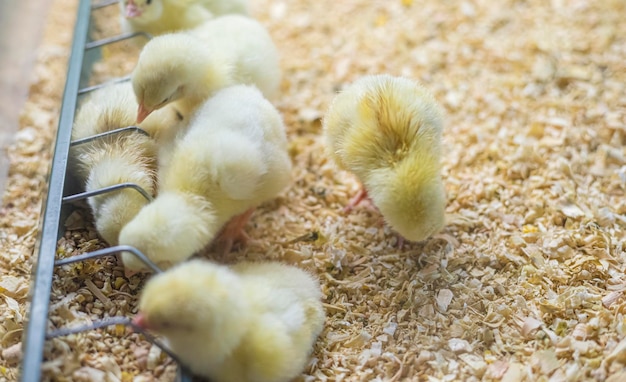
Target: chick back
{"x": 286, "y": 301}
{"x": 247, "y": 47}
{"x": 116, "y": 164}
{"x": 300, "y": 294}
{"x": 380, "y": 121}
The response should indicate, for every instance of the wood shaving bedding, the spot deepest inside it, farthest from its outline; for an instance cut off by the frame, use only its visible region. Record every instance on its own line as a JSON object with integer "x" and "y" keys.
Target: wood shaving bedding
{"x": 525, "y": 282}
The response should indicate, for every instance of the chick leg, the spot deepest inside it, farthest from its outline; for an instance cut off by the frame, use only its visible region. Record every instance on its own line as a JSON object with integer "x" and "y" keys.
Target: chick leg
{"x": 356, "y": 200}
{"x": 400, "y": 242}
{"x": 234, "y": 231}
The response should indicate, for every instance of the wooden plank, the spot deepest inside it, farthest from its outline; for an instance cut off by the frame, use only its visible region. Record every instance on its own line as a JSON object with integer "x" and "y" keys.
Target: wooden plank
{"x": 21, "y": 24}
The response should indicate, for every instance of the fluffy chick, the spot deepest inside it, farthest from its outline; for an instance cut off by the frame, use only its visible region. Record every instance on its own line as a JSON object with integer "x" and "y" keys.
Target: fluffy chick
{"x": 252, "y": 322}
{"x": 387, "y": 131}
{"x": 164, "y": 16}
{"x": 189, "y": 67}
{"x": 125, "y": 157}
{"x": 232, "y": 158}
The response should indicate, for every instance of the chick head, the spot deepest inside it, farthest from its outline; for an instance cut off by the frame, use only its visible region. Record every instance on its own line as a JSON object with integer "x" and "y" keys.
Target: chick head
{"x": 197, "y": 301}
{"x": 164, "y": 73}
{"x": 142, "y": 11}
{"x": 412, "y": 199}
{"x": 169, "y": 230}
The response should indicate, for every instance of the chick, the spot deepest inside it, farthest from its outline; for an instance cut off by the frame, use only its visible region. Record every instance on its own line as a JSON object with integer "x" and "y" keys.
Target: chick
{"x": 232, "y": 158}
{"x": 250, "y": 322}
{"x": 125, "y": 157}
{"x": 387, "y": 131}
{"x": 189, "y": 67}
{"x": 164, "y": 16}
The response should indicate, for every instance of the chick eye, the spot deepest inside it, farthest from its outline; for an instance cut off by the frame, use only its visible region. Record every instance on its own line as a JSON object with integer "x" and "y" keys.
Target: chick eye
{"x": 163, "y": 102}
{"x": 148, "y": 2}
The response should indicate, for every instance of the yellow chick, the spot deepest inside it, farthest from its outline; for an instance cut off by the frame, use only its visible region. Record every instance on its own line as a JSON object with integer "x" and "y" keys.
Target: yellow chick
{"x": 189, "y": 67}
{"x": 387, "y": 131}
{"x": 125, "y": 157}
{"x": 251, "y": 322}
{"x": 165, "y": 16}
{"x": 232, "y": 158}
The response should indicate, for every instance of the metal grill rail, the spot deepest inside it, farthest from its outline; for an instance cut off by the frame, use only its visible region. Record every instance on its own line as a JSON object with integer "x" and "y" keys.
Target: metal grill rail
{"x": 57, "y": 202}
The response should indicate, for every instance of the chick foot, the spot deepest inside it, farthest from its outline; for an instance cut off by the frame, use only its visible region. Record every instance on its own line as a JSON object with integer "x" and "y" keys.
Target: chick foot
{"x": 233, "y": 232}
{"x": 356, "y": 200}
{"x": 400, "y": 241}
{"x": 128, "y": 273}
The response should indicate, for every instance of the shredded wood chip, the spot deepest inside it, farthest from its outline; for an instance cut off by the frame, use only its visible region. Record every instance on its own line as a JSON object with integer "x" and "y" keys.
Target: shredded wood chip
{"x": 611, "y": 298}
{"x": 546, "y": 361}
{"x": 444, "y": 298}
{"x": 618, "y": 354}
{"x": 530, "y": 325}
{"x": 458, "y": 345}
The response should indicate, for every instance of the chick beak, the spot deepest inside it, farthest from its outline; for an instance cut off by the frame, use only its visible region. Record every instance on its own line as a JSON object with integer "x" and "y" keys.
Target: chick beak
{"x": 142, "y": 113}
{"x": 141, "y": 321}
{"x": 131, "y": 10}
